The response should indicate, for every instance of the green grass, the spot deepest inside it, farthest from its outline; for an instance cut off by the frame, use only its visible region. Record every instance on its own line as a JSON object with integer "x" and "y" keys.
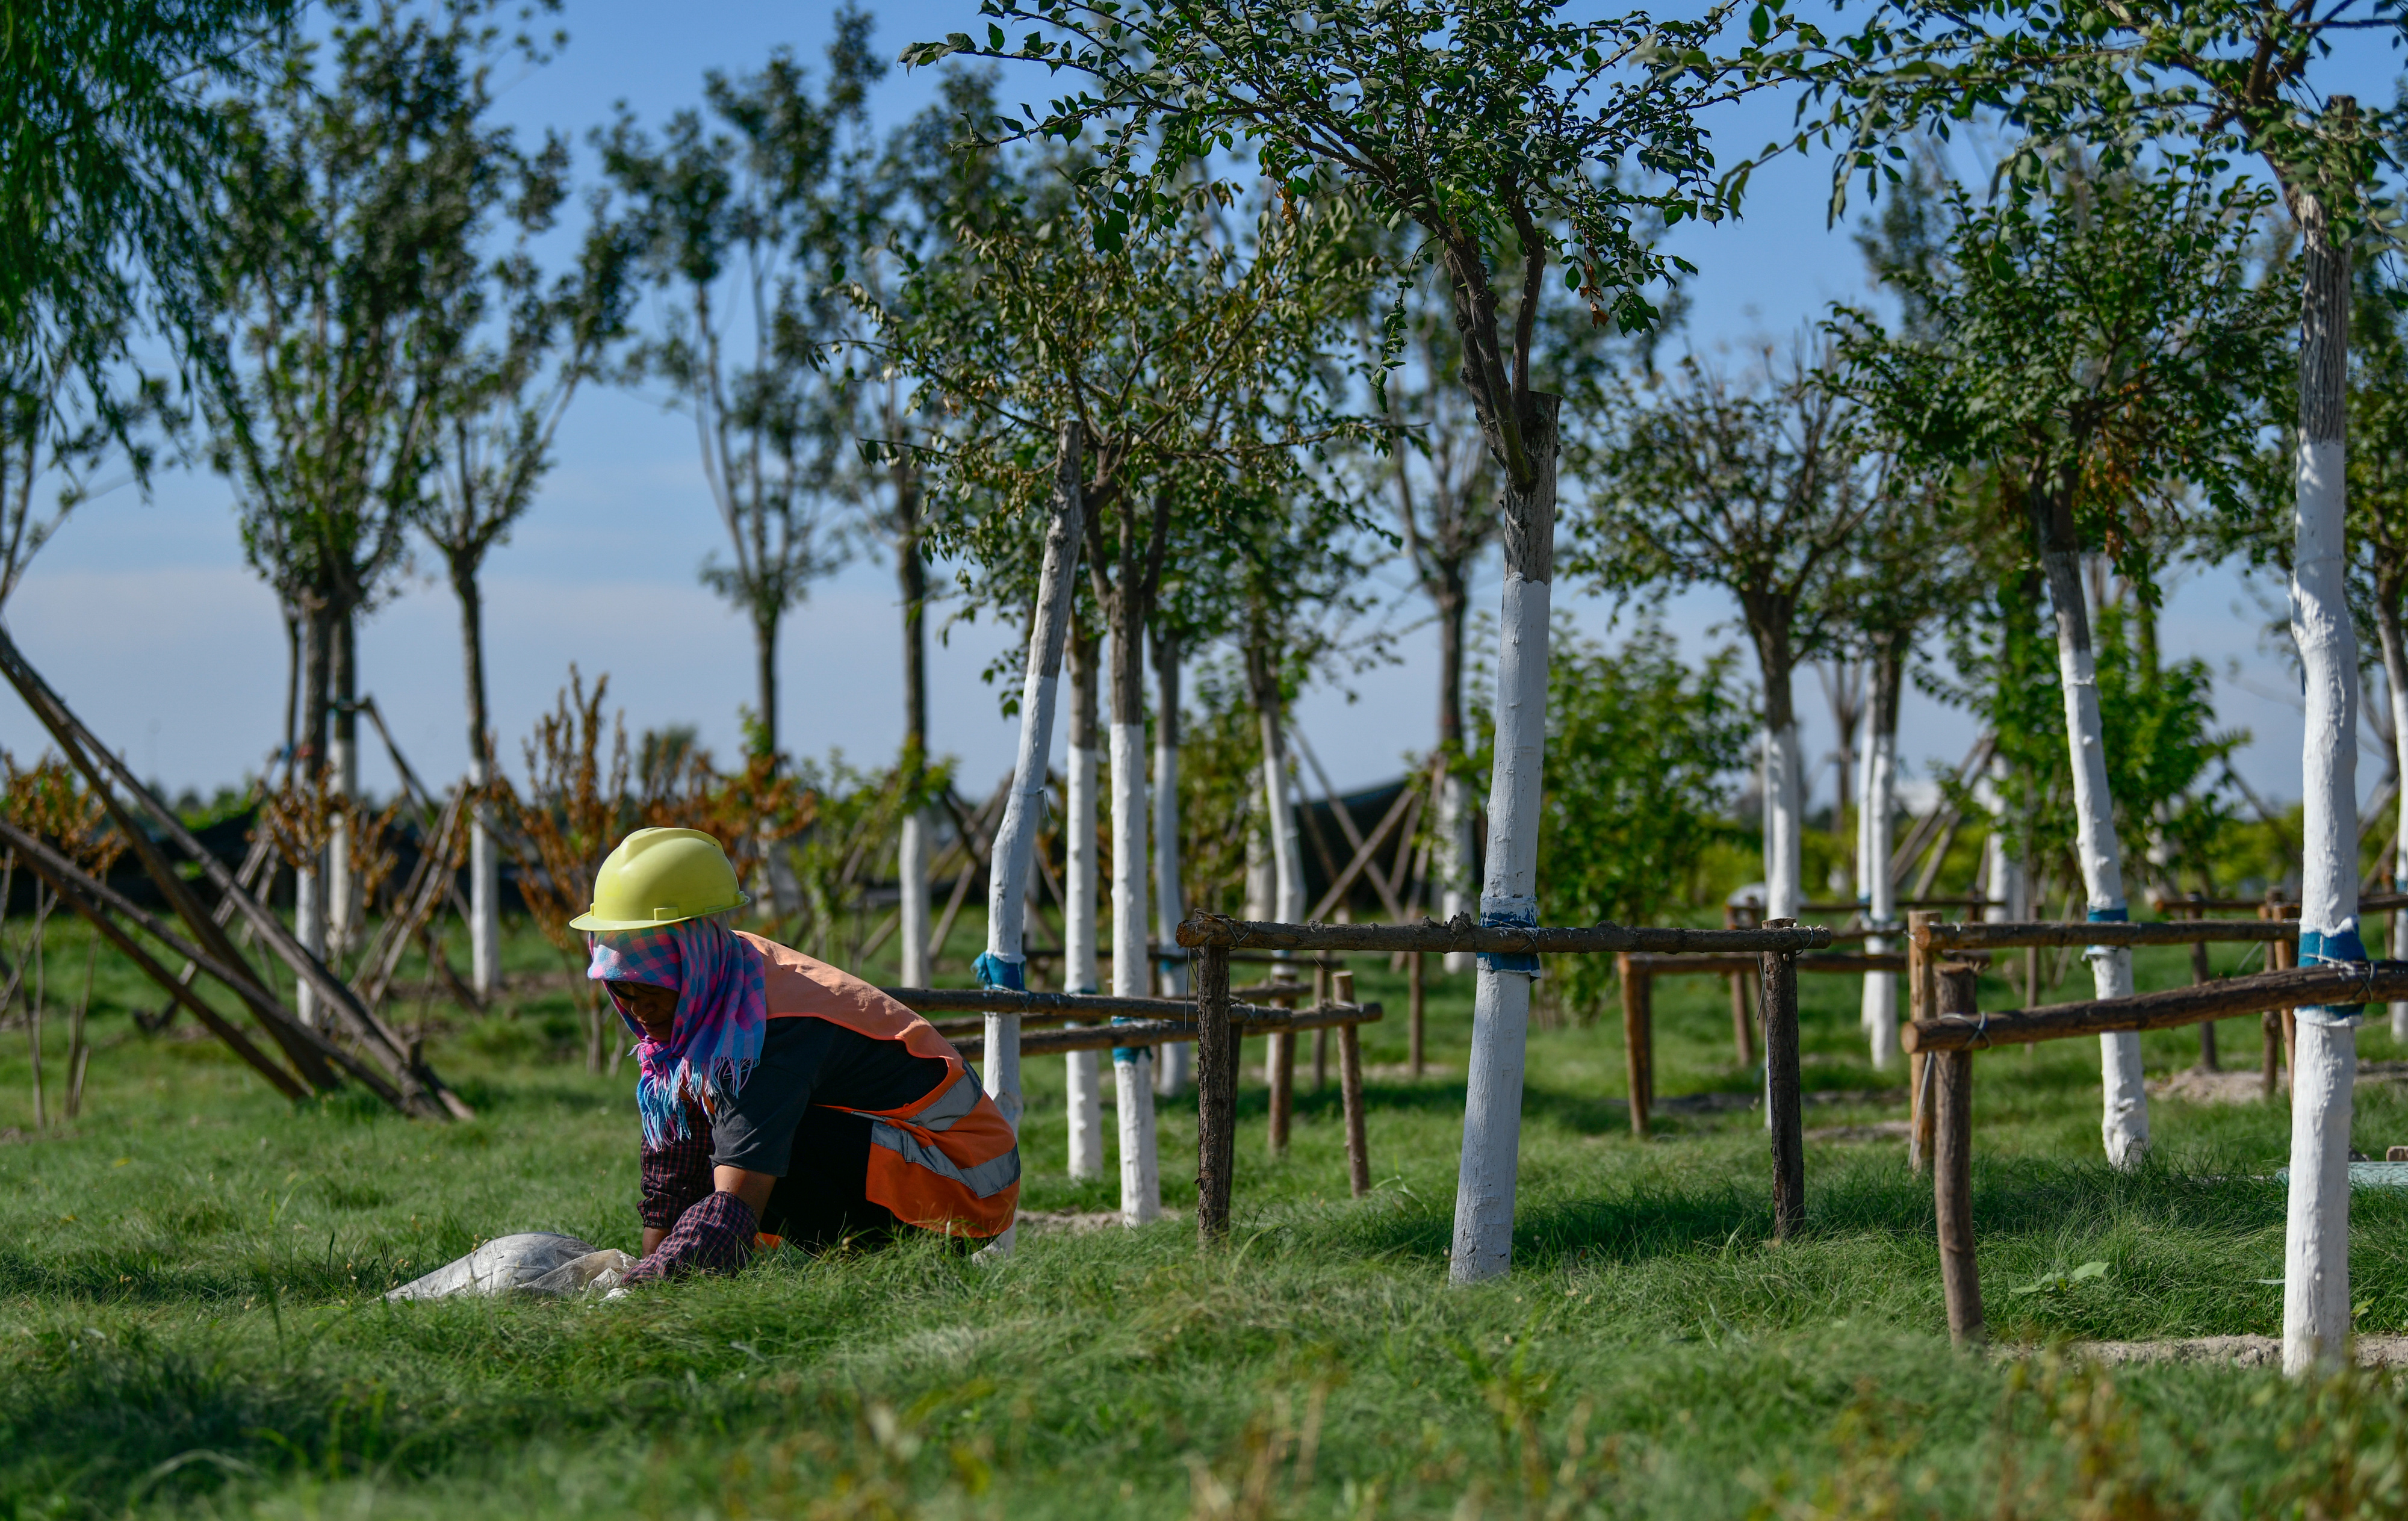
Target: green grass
{"x": 189, "y": 1317}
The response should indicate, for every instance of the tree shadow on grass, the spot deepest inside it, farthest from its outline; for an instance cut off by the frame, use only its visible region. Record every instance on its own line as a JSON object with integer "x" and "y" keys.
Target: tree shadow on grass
{"x": 1867, "y": 1196}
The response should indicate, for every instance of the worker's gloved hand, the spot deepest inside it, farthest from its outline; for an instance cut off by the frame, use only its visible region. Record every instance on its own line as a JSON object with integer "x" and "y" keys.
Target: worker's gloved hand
{"x": 714, "y": 1235}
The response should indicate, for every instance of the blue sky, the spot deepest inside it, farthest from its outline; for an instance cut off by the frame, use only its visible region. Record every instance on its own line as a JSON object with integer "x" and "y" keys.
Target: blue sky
{"x": 146, "y": 619}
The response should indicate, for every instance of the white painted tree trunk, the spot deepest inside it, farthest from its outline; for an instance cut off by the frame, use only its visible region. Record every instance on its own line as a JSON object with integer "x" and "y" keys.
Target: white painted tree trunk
{"x": 2323, "y": 1068}
{"x": 1132, "y": 1066}
{"x": 1170, "y": 900}
{"x": 2124, "y": 1124}
{"x": 309, "y": 928}
{"x": 1877, "y": 798}
{"x": 2004, "y": 883}
{"x": 1083, "y": 1069}
{"x": 1451, "y": 859}
{"x": 484, "y": 893}
{"x": 912, "y": 855}
{"x": 1004, "y": 965}
{"x": 2395, "y": 681}
{"x": 343, "y": 903}
{"x": 1288, "y": 863}
{"x": 1500, "y": 1015}
{"x": 1784, "y": 823}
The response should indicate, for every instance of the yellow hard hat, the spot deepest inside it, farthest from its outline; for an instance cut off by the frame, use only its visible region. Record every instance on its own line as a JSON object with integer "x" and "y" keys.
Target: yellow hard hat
{"x": 658, "y": 877}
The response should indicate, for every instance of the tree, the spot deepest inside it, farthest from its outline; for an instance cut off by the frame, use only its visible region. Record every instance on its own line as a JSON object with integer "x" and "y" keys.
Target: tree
{"x": 525, "y": 348}
{"x": 351, "y": 225}
{"x": 738, "y": 221}
{"x": 1165, "y": 356}
{"x": 1758, "y": 486}
{"x": 2106, "y": 352}
{"x": 1643, "y": 744}
{"x": 2215, "y": 77}
{"x": 2378, "y": 525}
{"x": 1500, "y": 130}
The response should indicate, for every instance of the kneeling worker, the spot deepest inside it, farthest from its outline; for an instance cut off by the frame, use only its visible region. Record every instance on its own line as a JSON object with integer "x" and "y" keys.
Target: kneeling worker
{"x": 781, "y": 1099}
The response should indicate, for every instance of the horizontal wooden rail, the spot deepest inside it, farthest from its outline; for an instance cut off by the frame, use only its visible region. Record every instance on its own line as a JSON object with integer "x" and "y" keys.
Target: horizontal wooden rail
{"x": 1655, "y": 963}
{"x": 2378, "y": 982}
{"x": 1004, "y": 1000}
{"x": 2366, "y": 903}
{"x": 1461, "y": 934}
{"x": 1158, "y": 1032}
{"x": 2069, "y": 932}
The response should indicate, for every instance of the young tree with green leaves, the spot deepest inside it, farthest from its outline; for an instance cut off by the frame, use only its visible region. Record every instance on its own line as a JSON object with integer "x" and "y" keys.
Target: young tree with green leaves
{"x": 525, "y": 347}
{"x": 351, "y": 224}
{"x": 1503, "y": 132}
{"x": 1758, "y": 486}
{"x": 2378, "y": 528}
{"x": 738, "y": 219}
{"x": 2106, "y": 352}
{"x": 2210, "y": 79}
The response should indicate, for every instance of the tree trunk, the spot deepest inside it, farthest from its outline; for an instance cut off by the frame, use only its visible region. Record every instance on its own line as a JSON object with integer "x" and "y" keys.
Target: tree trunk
{"x": 1874, "y": 813}
{"x": 1287, "y": 865}
{"x": 1083, "y": 1070}
{"x": 912, "y": 855}
{"x": 1500, "y": 1020}
{"x": 1452, "y": 854}
{"x": 1170, "y": 899}
{"x": 1783, "y": 777}
{"x": 2395, "y": 679}
{"x": 344, "y": 907}
{"x": 2125, "y": 1123}
{"x": 1004, "y": 965}
{"x": 484, "y": 858}
{"x": 765, "y": 681}
{"x": 2324, "y": 1063}
{"x": 1132, "y": 968}
{"x": 309, "y": 881}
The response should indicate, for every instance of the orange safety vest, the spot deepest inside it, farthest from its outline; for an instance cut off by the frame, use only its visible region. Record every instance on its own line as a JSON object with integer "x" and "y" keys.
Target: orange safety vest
{"x": 948, "y": 1162}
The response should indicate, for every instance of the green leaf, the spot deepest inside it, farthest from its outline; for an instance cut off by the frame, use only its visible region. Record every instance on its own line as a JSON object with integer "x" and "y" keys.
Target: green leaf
{"x": 1759, "y": 23}
{"x": 2089, "y": 1269}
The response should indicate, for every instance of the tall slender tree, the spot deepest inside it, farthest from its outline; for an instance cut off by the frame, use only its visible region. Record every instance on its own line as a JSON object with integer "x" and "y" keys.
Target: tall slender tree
{"x": 739, "y": 217}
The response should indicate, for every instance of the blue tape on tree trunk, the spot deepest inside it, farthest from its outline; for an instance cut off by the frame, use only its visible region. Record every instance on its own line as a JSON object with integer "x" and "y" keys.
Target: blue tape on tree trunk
{"x": 2341, "y": 948}
{"x": 994, "y": 971}
{"x": 1510, "y": 913}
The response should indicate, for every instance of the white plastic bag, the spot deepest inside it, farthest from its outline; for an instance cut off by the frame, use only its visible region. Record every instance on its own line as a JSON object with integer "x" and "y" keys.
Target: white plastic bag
{"x": 536, "y": 1262}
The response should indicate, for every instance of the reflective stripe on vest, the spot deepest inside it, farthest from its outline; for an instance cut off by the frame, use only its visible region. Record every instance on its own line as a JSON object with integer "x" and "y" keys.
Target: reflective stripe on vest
{"x": 959, "y": 1097}
{"x": 986, "y": 1180}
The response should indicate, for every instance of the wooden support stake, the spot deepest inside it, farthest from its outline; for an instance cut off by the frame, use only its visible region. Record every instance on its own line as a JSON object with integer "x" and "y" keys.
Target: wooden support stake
{"x": 1743, "y": 1017}
{"x": 1920, "y": 1001}
{"x": 1784, "y": 1107}
{"x": 1321, "y": 984}
{"x": 1282, "y": 1075}
{"x": 1350, "y": 1092}
{"x": 1414, "y": 1016}
{"x": 1638, "y": 1034}
{"x": 1216, "y": 1096}
{"x": 1951, "y": 1170}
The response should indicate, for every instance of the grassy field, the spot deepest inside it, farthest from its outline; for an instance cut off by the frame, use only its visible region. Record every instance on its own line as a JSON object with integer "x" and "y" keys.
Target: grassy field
{"x": 190, "y": 1320}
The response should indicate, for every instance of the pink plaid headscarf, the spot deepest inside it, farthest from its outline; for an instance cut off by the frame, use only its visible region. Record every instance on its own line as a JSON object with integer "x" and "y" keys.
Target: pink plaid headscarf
{"x": 723, "y": 1012}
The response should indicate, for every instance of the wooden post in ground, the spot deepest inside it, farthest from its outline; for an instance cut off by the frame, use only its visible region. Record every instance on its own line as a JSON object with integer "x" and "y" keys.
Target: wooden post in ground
{"x": 1951, "y": 1170}
{"x": 1779, "y": 1000}
{"x": 1322, "y": 982}
{"x": 2208, "y": 1060}
{"x": 1349, "y": 1093}
{"x": 1216, "y": 1095}
{"x": 1920, "y": 1000}
{"x": 2273, "y": 1024}
{"x": 1282, "y": 1076}
{"x": 1638, "y": 1036}
{"x": 1413, "y": 1014}
{"x": 1743, "y": 1024}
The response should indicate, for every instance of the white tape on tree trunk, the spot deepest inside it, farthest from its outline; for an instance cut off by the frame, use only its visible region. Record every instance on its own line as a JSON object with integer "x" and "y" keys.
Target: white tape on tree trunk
{"x": 1083, "y": 1070}
{"x": 2124, "y": 1124}
{"x": 1451, "y": 859}
{"x": 1132, "y": 968}
{"x": 1500, "y": 1012}
{"x": 911, "y": 874}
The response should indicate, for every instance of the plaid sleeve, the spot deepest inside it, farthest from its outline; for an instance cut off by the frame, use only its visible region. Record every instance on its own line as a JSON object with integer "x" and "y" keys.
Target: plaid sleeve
{"x": 713, "y": 1237}
{"x": 677, "y": 1174}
